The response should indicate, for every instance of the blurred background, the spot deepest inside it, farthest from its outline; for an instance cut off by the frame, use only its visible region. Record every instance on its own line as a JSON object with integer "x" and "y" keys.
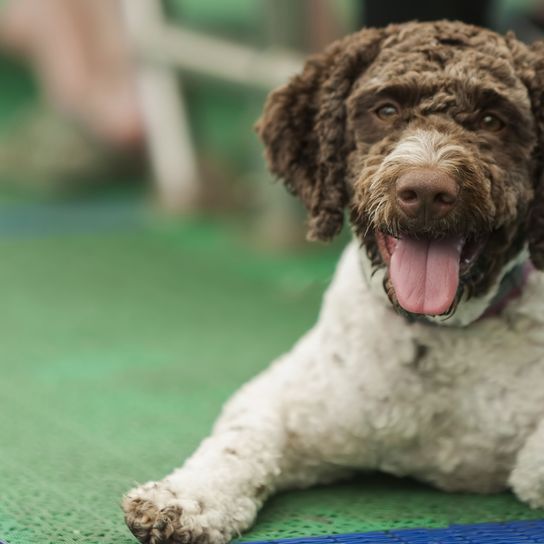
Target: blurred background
{"x": 148, "y": 263}
{"x": 154, "y": 101}
{"x": 157, "y": 99}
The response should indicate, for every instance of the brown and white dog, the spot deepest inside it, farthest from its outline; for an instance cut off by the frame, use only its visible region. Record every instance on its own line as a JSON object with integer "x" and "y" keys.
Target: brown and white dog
{"x": 428, "y": 356}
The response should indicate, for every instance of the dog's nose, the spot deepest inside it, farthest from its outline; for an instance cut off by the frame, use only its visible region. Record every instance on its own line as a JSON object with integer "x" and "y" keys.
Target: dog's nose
{"x": 426, "y": 193}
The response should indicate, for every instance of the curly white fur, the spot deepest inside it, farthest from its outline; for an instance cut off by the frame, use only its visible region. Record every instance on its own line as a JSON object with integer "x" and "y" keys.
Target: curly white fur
{"x": 459, "y": 408}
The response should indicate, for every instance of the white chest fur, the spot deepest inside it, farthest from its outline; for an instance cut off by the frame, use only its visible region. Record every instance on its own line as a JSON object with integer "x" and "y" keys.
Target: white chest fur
{"x": 447, "y": 404}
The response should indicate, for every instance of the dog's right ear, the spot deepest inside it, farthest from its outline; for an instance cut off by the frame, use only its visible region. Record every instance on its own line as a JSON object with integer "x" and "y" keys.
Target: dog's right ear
{"x": 303, "y": 129}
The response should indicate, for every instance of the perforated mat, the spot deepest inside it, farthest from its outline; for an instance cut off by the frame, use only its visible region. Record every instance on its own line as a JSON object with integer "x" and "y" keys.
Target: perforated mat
{"x": 120, "y": 341}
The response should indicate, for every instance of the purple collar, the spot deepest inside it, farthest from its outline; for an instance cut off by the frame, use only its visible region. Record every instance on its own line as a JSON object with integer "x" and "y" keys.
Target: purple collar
{"x": 510, "y": 289}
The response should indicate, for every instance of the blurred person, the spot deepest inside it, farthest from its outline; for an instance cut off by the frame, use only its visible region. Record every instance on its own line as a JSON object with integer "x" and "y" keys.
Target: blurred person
{"x": 78, "y": 50}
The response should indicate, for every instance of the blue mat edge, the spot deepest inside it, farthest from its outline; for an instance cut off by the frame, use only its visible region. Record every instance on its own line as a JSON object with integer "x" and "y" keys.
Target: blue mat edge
{"x": 528, "y": 532}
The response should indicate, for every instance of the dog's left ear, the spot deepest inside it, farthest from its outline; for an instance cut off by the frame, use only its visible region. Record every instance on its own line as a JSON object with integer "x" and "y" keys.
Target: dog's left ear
{"x": 303, "y": 127}
{"x": 530, "y": 65}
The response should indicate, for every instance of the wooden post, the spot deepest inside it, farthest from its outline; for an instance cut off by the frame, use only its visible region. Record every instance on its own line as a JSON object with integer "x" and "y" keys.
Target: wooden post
{"x": 170, "y": 145}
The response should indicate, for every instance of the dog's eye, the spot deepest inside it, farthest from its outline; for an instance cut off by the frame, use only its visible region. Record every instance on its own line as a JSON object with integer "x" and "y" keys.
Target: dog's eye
{"x": 491, "y": 123}
{"x": 387, "y": 112}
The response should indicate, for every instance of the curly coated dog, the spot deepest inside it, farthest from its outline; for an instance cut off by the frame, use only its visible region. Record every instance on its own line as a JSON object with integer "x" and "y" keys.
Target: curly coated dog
{"x": 427, "y": 359}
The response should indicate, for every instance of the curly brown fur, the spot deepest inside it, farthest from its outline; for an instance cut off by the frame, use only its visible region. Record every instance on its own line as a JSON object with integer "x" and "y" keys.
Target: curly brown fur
{"x": 325, "y": 140}
{"x": 303, "y": 128}
{"x": 531, "y": 68}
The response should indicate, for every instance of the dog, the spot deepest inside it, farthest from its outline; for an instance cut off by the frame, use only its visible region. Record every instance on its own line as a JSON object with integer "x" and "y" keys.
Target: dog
{"x": 427, "y": 359}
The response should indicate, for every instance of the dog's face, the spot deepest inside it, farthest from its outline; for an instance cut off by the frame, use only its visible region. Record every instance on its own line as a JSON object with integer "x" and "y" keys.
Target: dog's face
{"x": 430, "y": 134}
{"x": 441, "y": 172}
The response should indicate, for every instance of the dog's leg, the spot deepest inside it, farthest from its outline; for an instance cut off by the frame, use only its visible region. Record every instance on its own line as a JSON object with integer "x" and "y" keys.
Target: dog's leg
{"x": 217, "y": 493}
{"x": 527, "y": 478}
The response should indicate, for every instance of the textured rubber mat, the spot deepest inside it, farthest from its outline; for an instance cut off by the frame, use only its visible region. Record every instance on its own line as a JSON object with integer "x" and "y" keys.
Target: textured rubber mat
{"x": 118, "y": 347}
{"x": 516, "y": 532}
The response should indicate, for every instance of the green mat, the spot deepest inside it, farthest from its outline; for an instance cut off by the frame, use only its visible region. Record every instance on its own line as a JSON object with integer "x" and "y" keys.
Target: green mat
{"x": 120, "y": 340}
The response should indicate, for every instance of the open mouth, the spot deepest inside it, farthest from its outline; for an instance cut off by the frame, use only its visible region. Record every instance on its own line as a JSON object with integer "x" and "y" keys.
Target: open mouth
{"x": 426, "y": 273}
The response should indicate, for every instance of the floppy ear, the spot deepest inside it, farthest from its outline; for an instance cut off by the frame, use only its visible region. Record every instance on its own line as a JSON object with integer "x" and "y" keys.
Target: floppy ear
{"x": 532, "y": 74}
{"x": 536, "y": 225}
{"x": 303, "y": 129}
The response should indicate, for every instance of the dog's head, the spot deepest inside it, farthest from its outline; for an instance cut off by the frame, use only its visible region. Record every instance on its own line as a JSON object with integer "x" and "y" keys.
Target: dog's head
{"x": 431, "y": 135}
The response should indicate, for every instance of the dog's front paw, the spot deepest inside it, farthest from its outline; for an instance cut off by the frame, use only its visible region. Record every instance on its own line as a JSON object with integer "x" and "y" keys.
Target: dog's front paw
{"x": 157, "y": 514}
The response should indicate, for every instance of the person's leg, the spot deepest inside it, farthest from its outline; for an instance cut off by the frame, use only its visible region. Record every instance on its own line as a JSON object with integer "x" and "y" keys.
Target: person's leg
{"x": 78, "y": 51}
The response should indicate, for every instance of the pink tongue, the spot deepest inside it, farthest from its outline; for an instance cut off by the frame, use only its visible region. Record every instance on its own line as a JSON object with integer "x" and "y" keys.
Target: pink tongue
{"x": 425, "y": 274}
